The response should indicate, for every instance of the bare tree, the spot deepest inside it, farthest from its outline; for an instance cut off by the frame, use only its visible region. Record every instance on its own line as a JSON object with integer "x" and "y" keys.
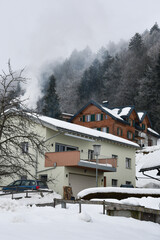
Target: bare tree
{"x": 19, "y": 143}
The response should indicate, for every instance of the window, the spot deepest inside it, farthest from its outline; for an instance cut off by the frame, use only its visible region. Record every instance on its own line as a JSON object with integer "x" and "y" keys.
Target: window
{"x": 128, "y": 183}
{"x": 83, "y": 118}
{"x": 143, "y": 126}
{"x": 90, "y": 154}
{"x": 80, "y": 119}
{"x": 119, "y": 132}
{"x": 130, "y": 122}
{"x": 114, "y": 182}
{"x": 116, "y": 157}
{"x": 98, "y": 117}
{"x": 88, "y": 118}
{"x": 99, "y": 129}
{"x": 24, "y": 147}
{"x": 44, "y": 178}
{"x": 106, "y": 117}
{"x": 128, "y": 163}
{"x": 105, "y": 129}
{"x": 129, "y": 135}
{"x": 64, "y": 148}
{"x": 24, "y": 177}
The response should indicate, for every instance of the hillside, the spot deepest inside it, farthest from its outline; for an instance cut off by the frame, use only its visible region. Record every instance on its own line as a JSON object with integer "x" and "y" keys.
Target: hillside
{"x": 127, "y": 73}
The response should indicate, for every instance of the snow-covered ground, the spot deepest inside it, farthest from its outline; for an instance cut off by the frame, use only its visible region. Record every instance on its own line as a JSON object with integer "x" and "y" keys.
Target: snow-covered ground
{"x": 17, "y": 220}
{"x": 148, "y": 156}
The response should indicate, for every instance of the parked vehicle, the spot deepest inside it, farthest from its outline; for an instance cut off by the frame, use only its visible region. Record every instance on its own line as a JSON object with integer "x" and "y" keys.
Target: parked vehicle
{"x": 21, "y": 185}
{"x": 127, "y": 185}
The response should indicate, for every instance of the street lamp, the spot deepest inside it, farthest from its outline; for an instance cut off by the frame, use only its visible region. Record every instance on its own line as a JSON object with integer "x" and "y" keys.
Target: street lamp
{"x": 96, "y": 148}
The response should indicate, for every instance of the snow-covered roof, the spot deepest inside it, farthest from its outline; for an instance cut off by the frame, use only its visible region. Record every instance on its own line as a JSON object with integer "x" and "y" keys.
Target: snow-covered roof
{"x": 117, "y": 190}
{"x": 140, "y": 115}
{"x": 125, "y": 111}
{"x": 112, "y": 112}
{"x": 152, "y": 161}
{"x": 152, "y": 131}
{"x": 71, "y": 127}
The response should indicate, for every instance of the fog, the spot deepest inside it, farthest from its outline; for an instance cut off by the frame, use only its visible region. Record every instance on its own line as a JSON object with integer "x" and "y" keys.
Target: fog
{"x": 34, "y": 32}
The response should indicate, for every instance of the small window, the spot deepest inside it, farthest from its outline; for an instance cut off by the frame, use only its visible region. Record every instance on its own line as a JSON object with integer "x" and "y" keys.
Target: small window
{"x": 129, "y": 135}
{"x": 88, "y": 118}
{"x": 106, "y": 117}
{"x": 143, "y": 126}
{"x": 128, "y": 183}
{"x": 90, "y": 154}
{"x": 116, "y": 157}
{"x": 24, "y": 147}
{"x": 130, "y": 122}
{"x": 44, "y": 178}
{"x": 98, "y": 117}
{"x": 114, "y": 182}
{"x": 128, "y": 163}
{"x": 80, "y": 119}
{"x": 105, "y": 129}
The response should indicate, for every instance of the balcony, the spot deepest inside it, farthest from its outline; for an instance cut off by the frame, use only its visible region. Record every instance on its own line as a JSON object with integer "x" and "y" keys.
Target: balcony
{"x": 72, "y": 159}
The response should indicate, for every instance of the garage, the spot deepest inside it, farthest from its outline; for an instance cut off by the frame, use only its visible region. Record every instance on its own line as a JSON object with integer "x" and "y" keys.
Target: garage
{"x": 79, "y": 182}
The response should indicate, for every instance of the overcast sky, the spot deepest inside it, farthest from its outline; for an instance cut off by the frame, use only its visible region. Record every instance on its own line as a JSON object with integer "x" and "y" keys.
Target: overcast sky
{"x": 36, "y": 31}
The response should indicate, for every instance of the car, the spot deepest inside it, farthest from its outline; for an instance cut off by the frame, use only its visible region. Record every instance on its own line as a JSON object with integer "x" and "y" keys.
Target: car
{"x": 127, "y": 185}
{"x": 21, "y": 185}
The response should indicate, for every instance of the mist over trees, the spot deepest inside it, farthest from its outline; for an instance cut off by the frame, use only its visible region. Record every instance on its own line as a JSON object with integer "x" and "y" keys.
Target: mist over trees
{"x": 127, "y": 73}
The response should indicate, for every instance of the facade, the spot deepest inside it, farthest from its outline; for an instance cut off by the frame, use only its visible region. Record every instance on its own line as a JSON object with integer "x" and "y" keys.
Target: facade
{"x": 124, "y": 122}
{"x": 70, "y": 162}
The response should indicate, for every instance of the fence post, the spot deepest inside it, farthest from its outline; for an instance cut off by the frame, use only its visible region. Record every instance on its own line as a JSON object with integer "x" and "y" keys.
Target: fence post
{"x": 104, "y": 203}
{"x": 80, "y": 207}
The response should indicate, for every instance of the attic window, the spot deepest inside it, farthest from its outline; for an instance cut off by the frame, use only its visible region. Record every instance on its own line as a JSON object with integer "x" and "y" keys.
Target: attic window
{"x": 98, "y": 117}
{"x": 88, "y": 118}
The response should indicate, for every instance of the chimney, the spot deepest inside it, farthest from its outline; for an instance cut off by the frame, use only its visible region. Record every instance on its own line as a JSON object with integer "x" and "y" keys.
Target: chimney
{"x": 105, "y": 103}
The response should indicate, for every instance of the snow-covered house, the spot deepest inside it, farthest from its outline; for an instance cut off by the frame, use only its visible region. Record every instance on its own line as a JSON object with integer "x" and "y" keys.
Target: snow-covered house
{"x": 125, "y": 122}
{"x": 69, "y": 159}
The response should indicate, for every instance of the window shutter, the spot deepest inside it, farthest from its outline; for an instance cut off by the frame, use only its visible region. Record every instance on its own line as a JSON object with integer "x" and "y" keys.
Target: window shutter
{"x": 127, "y": 134}
{"x": 99, "y": 129}
{"x": 101, "y": 116}
{"x": 83, "y": 118}
{"x": 133, "y": 136}
{"x": 107, "y": 129}
{"x": 133, "y": 123}
{"x": 121, "y": 132}
{"x": 118, "y": 131}
{"x": 93, "y": 117}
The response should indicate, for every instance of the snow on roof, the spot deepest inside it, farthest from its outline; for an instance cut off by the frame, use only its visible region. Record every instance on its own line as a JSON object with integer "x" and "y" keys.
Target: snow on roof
{"x": 112, "y": 112}
{"x": 87, "y": 191}
{"x": 140, "y": 115}
{"x": 125, "y": 111}
{"x": 152, "y": 131}
{"x": 151, "y": 160}
{"x": 85, "y": 130}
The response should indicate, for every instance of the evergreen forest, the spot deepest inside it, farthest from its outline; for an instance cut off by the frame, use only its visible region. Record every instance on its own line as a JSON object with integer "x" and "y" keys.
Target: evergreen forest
{"x": 126, "y": 73}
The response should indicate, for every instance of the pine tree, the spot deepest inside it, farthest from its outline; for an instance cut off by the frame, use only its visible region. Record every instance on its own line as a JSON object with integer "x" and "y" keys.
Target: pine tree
{"x": 155, "y": 28}
{"x": 49, "y": 104}
{"x": 136, "y": 44}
